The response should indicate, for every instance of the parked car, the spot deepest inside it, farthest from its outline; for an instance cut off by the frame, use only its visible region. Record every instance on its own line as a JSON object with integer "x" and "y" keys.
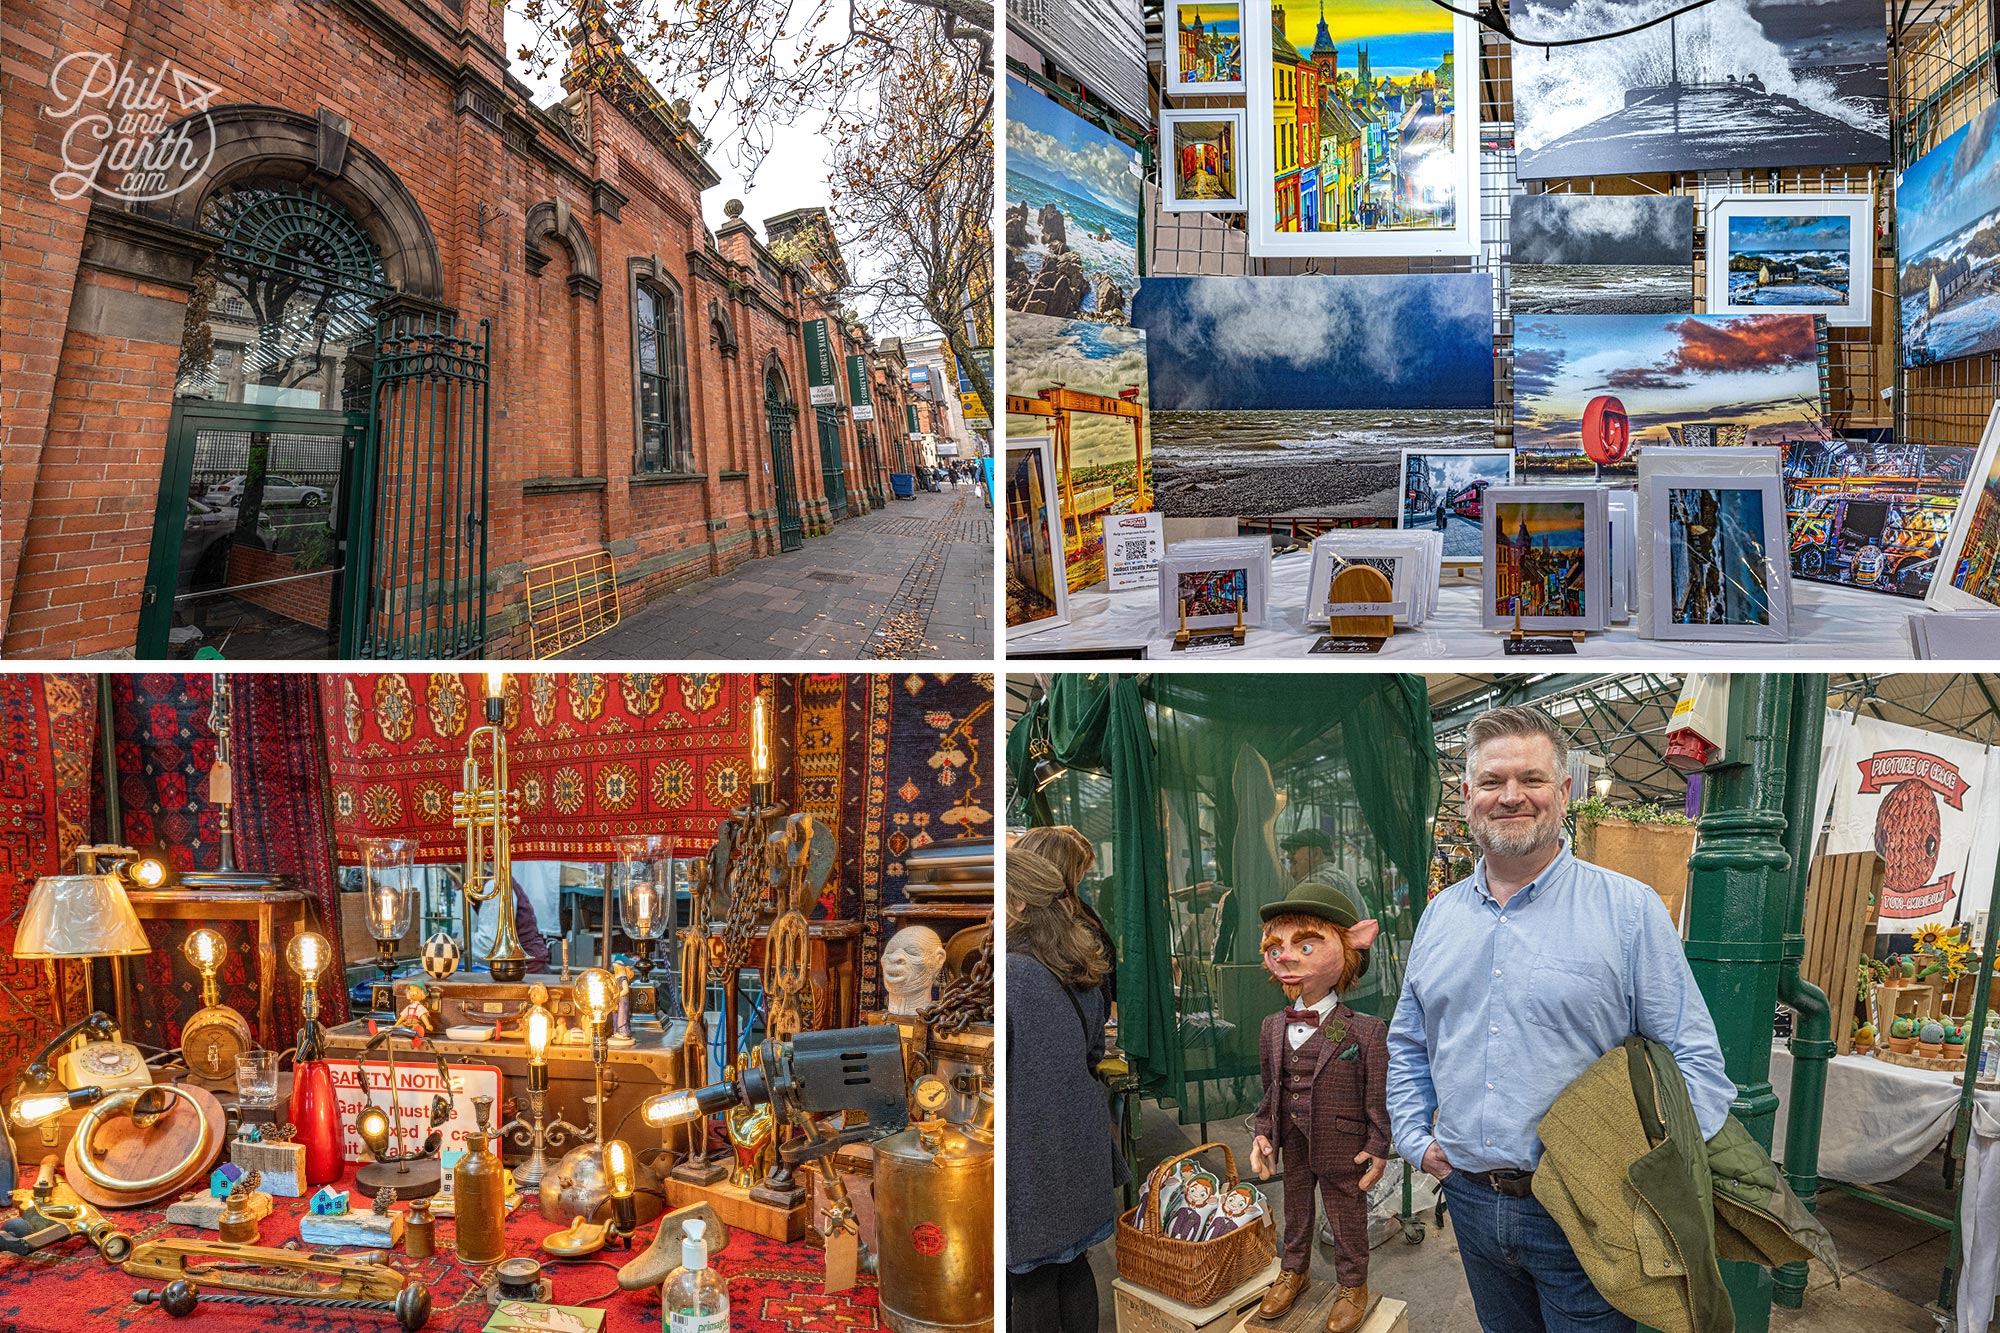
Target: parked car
{"x": 277, "y": 491}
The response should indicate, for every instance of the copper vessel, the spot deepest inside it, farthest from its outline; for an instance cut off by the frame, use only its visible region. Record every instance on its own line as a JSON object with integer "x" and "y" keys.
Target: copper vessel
{"x": 934, "y": 1224}
{"x": 479, "y": 1195}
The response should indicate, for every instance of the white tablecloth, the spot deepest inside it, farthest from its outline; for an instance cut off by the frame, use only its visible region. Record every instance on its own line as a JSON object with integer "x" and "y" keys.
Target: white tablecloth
{"x": 1880, "y": 1121}
{"x": 1827, "y": 621}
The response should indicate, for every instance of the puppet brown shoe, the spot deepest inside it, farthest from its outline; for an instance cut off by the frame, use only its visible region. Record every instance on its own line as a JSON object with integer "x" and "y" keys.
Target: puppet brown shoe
{"x": 1350, "y": 1307}
{"x": 1282, "y": 1293}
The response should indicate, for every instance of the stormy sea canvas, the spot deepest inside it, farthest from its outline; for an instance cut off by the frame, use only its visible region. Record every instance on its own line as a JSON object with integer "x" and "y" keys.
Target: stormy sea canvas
{"x": 1735, "y": 83}
{"x": 1948, "y": 220}
{"x": 1593, "y": 254}
{"x": 1296, "y": 396}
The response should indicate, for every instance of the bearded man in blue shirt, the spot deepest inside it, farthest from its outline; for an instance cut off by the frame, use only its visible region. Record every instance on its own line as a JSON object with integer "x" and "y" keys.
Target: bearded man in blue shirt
{"x": 1519, "y": 979}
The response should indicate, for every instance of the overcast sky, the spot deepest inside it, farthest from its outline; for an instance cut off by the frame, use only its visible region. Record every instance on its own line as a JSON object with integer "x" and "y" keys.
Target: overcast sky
{"x": 793, "y": 175}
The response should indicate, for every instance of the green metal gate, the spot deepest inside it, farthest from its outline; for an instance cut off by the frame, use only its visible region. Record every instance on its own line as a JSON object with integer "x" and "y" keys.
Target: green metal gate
{"x": 871, "y": 465}
{"x": 417, "y": 585}
{"x": 831, "y": 467}
{"x": 778, "y": 417}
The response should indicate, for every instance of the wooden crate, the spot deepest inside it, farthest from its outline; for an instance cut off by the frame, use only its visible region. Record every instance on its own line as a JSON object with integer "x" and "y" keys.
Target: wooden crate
{"x": 1309, "y": 1315}
{"x": 1839, "y": 929}
{"x": 1140, "y": 1310}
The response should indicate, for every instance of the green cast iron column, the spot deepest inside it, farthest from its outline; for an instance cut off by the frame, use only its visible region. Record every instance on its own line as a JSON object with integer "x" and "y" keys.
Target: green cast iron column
{"x": 1812, "y": 1031}
{"x": 1737, "y": 899}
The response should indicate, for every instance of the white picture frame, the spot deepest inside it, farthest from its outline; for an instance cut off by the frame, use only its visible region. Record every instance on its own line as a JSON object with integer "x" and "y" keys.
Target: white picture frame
{"x": 1034, "y": 534}
{"x": 1944, "y": 594}
{"x": 1656, "y": 497}
{"x": 1325, "y": 560}
{"x": 1622, "y": 504}
{"x": 1858, "y": 211}
{"x": 1496, "y": 573}
{"x": 1403, "y": 489}
{"x": 1170, "y": 174}
{"x": 1256, "y": 584}
{"x": 1264, "y": 238}
{"x": 1177, "y": 83}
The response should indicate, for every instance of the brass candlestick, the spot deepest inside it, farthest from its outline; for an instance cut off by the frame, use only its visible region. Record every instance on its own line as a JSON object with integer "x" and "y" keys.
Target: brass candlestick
{"x": 536, "y": 1134}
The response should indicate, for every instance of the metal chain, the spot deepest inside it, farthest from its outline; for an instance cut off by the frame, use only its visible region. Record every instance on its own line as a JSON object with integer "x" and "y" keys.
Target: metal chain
{"x": 743, "y": 883}
{"x": 967, "y": 1000}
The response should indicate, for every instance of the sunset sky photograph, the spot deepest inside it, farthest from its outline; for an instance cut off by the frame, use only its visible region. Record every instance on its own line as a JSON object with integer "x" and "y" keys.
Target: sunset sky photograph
{"x": 1759, "y": 370}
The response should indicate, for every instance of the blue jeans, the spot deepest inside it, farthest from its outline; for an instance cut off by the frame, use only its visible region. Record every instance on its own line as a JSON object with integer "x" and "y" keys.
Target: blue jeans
{"x": 1523, "y": 1274}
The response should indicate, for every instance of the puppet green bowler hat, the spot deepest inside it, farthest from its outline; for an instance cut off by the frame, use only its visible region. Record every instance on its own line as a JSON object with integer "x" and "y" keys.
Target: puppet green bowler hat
{"x": 1309, "y": 898}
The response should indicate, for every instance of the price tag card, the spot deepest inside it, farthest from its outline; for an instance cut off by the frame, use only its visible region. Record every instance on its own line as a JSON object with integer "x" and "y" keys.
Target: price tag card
{"x": 1133, "y": 545}
{"x": 1346, "y": 644}
{"x": 1540, "y": 648}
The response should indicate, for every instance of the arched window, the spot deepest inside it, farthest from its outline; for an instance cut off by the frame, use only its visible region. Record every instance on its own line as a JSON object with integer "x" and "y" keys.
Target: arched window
{"x": 666, "y": 443}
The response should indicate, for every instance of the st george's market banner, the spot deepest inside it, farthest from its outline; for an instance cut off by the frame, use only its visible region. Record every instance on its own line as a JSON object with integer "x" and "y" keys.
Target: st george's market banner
{"x": 1913, "y": 797}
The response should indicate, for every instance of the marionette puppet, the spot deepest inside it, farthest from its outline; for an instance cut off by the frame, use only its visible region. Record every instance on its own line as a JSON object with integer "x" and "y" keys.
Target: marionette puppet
{"x": 1325, "y": 1109}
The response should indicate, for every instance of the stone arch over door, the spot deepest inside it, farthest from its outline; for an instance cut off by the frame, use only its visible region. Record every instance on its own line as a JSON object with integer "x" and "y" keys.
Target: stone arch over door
{"x": 721, "y": 329}
{"x": 275, "y": 143}
{"x": 774, "y": 373}
{"x": 554, "y": 218}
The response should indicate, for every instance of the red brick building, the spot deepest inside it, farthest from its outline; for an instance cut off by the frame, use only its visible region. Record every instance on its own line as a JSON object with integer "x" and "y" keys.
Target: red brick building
{"x": 368, "y": 336}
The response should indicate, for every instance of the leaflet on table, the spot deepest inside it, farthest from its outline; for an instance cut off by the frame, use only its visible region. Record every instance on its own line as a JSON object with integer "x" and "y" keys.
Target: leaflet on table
{"x": 1133, "y": 545}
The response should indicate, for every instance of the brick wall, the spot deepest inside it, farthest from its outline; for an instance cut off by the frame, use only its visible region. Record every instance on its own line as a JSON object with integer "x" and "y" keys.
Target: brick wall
{"x": 93, "y": 319}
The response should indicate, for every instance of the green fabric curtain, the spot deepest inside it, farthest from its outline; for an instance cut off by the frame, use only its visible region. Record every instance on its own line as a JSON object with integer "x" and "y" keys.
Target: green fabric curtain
{"x": 1202, "y": 774}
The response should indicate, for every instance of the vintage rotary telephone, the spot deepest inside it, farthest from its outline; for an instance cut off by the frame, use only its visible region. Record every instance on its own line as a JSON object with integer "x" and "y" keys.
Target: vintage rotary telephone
{"x": 99, "y": 1061}
{"x": 52, "y": 1213}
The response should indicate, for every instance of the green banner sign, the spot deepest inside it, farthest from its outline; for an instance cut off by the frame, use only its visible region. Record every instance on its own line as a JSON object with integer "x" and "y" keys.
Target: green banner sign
{"x": 910, "y": 415}
{"x": 857, "y": 388}
{"x": 819, "y": 364}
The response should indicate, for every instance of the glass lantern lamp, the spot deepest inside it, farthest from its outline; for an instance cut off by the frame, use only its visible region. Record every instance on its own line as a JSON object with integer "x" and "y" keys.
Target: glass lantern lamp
{"x": 645, "y": 872}
{"x": 389, "y": 867}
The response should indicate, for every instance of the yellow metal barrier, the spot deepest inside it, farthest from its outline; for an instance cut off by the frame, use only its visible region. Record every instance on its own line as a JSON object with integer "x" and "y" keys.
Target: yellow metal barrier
{"x": 570, "y": 602}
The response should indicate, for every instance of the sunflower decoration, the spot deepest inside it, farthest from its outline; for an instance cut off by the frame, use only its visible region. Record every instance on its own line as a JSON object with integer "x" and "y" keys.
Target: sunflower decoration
{"x": 1950, "y": 952}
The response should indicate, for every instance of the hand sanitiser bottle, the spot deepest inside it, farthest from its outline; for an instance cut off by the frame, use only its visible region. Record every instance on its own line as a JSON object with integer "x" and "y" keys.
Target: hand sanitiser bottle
{"x": 695, "y": 1298}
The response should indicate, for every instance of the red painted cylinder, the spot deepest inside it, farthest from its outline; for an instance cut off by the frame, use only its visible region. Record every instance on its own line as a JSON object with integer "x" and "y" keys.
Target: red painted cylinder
{"x": 317, "y": 1116}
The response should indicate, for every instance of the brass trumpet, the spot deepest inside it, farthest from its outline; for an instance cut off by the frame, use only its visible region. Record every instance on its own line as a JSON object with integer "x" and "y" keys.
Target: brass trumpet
{"x": 488, "y": 810}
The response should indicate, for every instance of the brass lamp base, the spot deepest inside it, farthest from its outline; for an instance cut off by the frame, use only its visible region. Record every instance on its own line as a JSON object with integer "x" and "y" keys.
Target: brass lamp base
{"x": 411, "y": 1180}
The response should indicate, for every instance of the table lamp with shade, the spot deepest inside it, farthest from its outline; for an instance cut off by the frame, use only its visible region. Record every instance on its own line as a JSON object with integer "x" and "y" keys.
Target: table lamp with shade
{"x": 87, "y": 915}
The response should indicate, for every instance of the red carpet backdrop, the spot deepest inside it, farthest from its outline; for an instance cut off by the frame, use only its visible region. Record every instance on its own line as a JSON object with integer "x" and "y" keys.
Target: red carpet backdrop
{"x": 596, "y": 756}
{"x": 165, "y": 745}
{"x": 48, "y": 731}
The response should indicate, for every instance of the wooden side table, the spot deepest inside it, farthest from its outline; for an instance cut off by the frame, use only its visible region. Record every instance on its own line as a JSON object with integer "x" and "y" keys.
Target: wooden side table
{"x": 265, "y": 907}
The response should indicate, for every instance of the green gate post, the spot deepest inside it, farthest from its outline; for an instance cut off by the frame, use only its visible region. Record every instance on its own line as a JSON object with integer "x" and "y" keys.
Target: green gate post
{"x": 1812, "y": 1032}
{"x": 1737, "y": 898}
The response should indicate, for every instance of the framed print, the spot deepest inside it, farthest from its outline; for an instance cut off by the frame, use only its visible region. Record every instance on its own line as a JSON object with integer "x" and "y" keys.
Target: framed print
{"x": 1968, "y": 572}
{"x": 1037, "y": 585}
{"x": 1727, "y": 85}
{"x": 1211, "y": 576}
{"x": 1072, "y": 220}
{"x": 1547, "y": 551}
{"x": 1395, "y": 565}
{"x": 1601, "y": 254}
{"x": 1207, "y": 56}
{"x": 1623, "y": 506}
{"x": 1799, "y": 254}
{"x": 1945, "y": 214}
{"x": 1722, "y": 573}
{"x": 1444, "y": 489}
{"x": 1363, "y": 121}
{"x": 1201, "y": 164}
{"x": 1869, "y": 510}
{"x": 1594, "y": 393}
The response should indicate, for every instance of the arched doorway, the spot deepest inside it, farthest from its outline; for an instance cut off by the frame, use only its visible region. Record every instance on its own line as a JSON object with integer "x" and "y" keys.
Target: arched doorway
{"x": 270, "y": 409}
{"x": 779, "y": 419}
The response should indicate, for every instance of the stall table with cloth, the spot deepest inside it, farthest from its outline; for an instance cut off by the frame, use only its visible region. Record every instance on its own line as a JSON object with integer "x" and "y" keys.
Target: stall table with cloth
{"x": 773, "y": 1287}
{"x": 1830, "y": 620}
{"x": 1881, "y": 1120}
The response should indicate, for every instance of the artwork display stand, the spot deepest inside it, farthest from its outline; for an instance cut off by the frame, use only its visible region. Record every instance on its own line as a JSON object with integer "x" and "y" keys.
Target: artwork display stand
{"x": 1233, "y": 636}
{"x": 1559, "y": 644}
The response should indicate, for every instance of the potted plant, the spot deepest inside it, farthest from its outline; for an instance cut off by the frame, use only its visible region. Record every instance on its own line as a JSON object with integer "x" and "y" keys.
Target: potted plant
{"x": 1954, "y": 1040}
{"x": 1902, "y": 1035}
{"x": 1863, "y": 1038}
{"x": 1649, "y": 843}
{"x": 1930, "y": 1039}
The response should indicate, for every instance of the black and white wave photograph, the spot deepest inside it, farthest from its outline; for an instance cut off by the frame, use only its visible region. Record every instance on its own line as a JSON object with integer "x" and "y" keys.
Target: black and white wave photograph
{"x": 1735, "y": 83}
{"x": 1602, "y": 254}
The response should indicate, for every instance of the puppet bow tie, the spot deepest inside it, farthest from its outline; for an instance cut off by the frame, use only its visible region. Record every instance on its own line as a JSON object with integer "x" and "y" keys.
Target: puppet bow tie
{"x": 1310, "y": 1017}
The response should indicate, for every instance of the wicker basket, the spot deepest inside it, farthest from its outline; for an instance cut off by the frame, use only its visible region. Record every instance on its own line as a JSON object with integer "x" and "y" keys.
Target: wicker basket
{"x": 1193, "y": 1272}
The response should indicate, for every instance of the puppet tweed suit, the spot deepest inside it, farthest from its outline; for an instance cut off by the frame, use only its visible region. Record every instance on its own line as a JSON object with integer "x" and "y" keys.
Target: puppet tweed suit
{"x": 1324, "y": 1103}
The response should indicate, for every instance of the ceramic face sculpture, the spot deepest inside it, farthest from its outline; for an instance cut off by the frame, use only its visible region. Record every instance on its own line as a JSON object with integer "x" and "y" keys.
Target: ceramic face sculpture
{"x": 910, "y": 965}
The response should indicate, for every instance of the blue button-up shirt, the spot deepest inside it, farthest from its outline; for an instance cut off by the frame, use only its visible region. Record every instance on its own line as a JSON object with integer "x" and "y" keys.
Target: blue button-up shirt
{"x": 1503, "y": 1007}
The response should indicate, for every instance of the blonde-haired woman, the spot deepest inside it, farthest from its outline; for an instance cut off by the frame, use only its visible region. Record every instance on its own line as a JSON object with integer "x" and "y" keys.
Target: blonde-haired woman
{"x": 1063, "y": 1164}
{"x": 1070, "y": 852}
